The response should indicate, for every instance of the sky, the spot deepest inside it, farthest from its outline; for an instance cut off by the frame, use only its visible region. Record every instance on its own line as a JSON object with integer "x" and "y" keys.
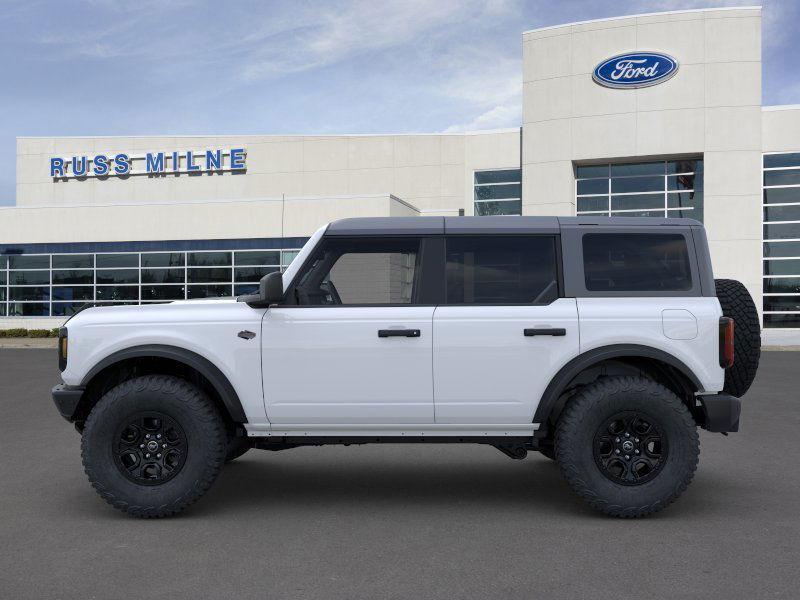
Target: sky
{"x": 160, "y": 67}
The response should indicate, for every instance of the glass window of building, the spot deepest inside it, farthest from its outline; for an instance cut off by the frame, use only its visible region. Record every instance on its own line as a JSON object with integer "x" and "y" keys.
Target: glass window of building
{"x": 41, "y": 285}
{"x": 664, "y": 188}
{"x": 498, "y": 192}
{"x": 782, "y": 240}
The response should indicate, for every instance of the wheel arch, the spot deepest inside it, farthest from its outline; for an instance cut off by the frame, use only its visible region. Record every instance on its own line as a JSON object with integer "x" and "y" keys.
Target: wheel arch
{"x": 150, "y": 358}
{"x": 656, "y": 363}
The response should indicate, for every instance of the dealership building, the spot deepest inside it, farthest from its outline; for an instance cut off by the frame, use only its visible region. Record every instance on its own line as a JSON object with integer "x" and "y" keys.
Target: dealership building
{"x": 647, "y": 115}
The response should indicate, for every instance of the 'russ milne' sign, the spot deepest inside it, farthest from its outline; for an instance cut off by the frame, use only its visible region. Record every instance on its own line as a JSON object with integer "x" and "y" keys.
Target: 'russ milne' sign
{"x": 635, "y": 70}
{"x": 151, "y": 163}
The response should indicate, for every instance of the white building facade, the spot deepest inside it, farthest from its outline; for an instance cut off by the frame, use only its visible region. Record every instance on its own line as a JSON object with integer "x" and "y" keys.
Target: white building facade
{"x": 151, "y": 219}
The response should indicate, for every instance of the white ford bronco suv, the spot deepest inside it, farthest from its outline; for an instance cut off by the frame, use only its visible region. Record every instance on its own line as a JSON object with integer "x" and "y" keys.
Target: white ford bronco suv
{"x": 603, "y": 343}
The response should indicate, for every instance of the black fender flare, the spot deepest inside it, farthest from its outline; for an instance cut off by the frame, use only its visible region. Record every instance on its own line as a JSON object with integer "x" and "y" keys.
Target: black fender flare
{"x": 202, "y": 365}
{"x": 592, "y": 357}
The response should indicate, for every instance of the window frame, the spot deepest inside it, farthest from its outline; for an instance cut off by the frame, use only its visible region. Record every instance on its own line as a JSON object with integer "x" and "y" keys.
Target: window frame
{"x": 427, "y": 278}
{"x": 556, "y": 239}
{"x": 574, "y": 272}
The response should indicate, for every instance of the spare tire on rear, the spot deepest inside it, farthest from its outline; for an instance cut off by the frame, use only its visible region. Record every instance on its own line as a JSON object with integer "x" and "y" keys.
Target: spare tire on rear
{"x": 737, "y": 304}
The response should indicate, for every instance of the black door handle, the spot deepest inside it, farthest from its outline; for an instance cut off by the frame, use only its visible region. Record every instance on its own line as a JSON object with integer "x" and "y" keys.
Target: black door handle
{"x": 399, "y": 333}
{"x": 555, "y": 331}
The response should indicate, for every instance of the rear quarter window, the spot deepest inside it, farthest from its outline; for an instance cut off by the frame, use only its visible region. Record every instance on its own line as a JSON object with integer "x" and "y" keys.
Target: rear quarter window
{"x": 636, "y": 262}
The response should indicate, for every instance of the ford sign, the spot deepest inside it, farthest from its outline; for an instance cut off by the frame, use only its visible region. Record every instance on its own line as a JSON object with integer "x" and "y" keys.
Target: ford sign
{"x": 635, "y": 70}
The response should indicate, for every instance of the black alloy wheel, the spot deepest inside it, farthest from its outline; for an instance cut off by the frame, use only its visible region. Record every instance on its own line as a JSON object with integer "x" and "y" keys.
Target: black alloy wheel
{"x": 150, "y": 448}
{"x": 630, "y": 448}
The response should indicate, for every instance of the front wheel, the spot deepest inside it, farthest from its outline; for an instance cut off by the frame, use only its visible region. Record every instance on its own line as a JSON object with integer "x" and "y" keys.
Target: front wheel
{"x": 153, "y": 445}
{"x": 627, "y": 445}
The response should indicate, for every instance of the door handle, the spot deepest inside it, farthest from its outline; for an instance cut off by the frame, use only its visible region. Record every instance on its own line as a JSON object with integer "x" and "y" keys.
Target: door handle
{"x": 554, "y": 331}
{"x": 399, "y": 333}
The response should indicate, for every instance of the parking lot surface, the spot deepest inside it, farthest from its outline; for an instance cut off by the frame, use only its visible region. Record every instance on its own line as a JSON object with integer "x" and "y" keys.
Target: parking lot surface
{"x": 399, "y": 521}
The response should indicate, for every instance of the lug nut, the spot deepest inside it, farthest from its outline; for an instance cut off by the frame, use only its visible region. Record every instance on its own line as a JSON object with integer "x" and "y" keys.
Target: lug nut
{"x": 636, "y": 451}
{"x": 147, "y": 456}
{"x": 635, "y": 439}
{"x": 159, "y": 436}
{"x": 147, "y": 436}
{"x": 158, "y": 456}
{"x": 141, "y": 445}
{"x": 163, "y": 445}
{"x": 617, "y": 450}
{"x": 627, "y": 457}
{"x": 627, "y": 435}
{"x": 617, "y": 440}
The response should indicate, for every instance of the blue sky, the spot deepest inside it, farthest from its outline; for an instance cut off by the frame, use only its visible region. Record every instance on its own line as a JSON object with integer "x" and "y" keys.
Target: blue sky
{"x": 156, "y": 67}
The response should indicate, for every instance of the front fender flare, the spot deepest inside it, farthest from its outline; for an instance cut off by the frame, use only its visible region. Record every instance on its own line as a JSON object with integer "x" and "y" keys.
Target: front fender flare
{"x": 202, "y": 365}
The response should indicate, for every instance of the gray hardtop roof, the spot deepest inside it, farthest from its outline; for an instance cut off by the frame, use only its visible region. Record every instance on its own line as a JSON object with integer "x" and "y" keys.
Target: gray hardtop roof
{"x": 488, "y": 225}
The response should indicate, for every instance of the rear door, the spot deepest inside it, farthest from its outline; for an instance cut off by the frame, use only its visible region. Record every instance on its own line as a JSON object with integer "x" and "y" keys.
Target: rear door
{"x": 355, "y": 347}
{"x": 503, "y": 331}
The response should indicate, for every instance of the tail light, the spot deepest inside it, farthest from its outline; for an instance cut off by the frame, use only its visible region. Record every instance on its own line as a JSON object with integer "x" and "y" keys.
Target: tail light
{"x": 62, "y": 349}
{"x": 726, "y": 325}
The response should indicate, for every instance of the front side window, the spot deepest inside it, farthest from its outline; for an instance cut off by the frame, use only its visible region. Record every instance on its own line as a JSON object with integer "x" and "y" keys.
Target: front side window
{"x": 636, "y": 262}
{"x": 361, "y": 271}
{"x": 501, "y": 270}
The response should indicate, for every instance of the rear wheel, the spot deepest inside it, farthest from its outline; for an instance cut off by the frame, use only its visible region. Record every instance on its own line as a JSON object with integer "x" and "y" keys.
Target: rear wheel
{"x": 627, "y": 445}
{"x": 737, "y": 304}
{"x": 153, "y": 445}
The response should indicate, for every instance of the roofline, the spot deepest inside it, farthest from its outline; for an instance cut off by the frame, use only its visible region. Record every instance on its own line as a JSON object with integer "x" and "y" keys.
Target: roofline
{"x": 652, "y": 14}
{"x": 263, "y": 135}
{"x": 781, "y": 107}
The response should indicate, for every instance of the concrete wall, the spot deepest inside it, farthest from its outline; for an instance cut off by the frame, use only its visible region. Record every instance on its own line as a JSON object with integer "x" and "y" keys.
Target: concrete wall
{"x": 712, "y": 106}
{"x": 432, "y": 172}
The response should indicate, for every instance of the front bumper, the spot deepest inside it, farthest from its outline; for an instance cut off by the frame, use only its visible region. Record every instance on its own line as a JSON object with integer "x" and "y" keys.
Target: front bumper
{"x": 720, "y": 412}
{"x": 66, "y": 398}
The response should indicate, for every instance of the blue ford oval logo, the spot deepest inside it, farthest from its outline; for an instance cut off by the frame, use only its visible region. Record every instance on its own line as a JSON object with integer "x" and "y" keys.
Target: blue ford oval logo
{"x": 635, "y": 70}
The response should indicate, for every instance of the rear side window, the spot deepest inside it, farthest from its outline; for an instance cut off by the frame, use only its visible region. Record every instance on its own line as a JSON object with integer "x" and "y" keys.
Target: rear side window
{"x": 501, "y": 270}
{"x": 636, "y": 262}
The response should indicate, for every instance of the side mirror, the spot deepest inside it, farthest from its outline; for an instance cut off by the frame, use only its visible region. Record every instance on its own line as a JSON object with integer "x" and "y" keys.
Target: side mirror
{"x": 270, "y": 291}
{"x": 270, "y": 288}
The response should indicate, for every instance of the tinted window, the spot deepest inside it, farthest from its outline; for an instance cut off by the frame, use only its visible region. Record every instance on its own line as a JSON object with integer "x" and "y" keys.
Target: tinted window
{"x": 636, "y": 262}
{"x": 111, "y": 261}
{"x": 501, "y": 270}
{"x": 361, "y": 272}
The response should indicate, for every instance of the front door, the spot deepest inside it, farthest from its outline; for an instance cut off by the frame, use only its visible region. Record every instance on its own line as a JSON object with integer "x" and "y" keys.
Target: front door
{"x": 503, "y": 332}
{"x": 353, "y": 343}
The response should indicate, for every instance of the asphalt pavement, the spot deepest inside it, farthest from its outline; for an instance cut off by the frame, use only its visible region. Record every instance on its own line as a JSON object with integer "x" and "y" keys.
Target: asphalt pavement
{"x": 399, "y": 521}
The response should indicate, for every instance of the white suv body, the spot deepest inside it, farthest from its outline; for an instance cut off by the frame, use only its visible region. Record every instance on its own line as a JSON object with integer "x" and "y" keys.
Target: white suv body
{"x": 425, "y": 329}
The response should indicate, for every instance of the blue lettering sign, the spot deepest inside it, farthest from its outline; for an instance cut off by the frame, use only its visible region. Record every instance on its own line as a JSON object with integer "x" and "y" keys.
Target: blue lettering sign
{"x": 154, "y": 163}
{"x": 237, "y": 159}
{"x": 635, "y": 70}
{"x": 79, "y": 166}
{"x": 100, "y": 164}
{"x": 123, "y": 165}
{"x": 190, "y": 166}
{"x": 56, "y": 167}
{"x": 213, "y": 160}
{"x": 176, "y": 162}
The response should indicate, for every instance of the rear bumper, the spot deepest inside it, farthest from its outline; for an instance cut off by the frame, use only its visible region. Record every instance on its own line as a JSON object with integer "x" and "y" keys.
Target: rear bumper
{"x": 66, "y": 399}
{"x": 720, "y": 412}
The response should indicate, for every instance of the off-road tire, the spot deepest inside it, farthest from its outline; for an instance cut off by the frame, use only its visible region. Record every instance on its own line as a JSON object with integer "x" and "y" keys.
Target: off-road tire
{"x": 237, "y": 446}
{"x": 183, "y": 403}
{"x": 737, "y": 304}
{"x": 547, "y": 450}
{"x": 586, "y": 413}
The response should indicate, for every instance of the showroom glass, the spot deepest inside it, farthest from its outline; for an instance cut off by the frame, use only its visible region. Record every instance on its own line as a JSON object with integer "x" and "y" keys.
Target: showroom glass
{"x": 360, "y": 271}
{"x": 501, "y": 270}
{"x": 498, "y": 192}
{"x": 672, "y": 188}
{"x": 781, "y": 213}
{"x": 42, "y": 285}
{"x": 636, "y": 262}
